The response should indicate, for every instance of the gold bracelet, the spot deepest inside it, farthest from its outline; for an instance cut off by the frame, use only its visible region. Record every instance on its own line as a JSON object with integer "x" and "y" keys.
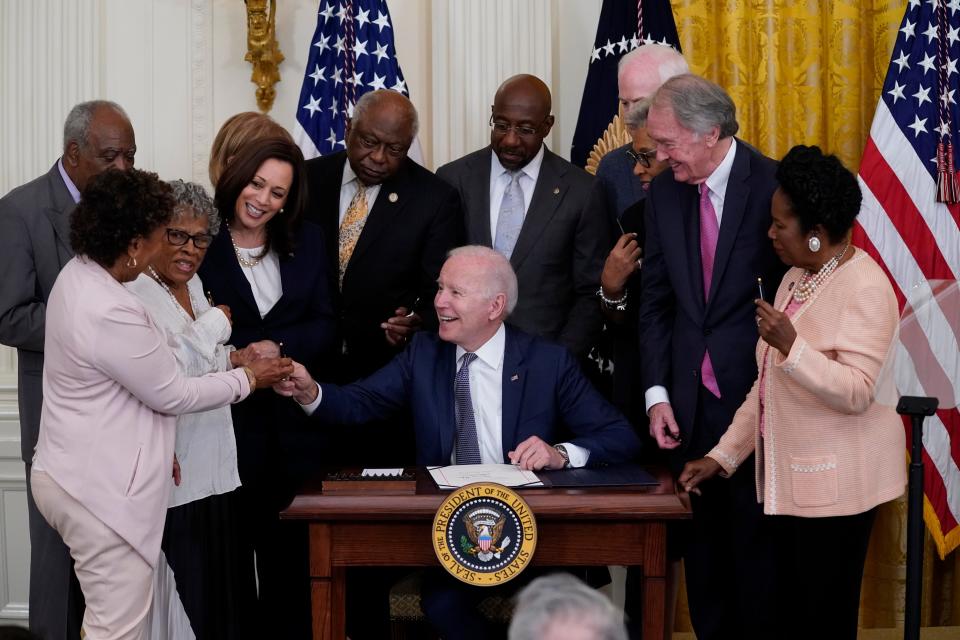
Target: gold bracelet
{"x": 251, "y": 376}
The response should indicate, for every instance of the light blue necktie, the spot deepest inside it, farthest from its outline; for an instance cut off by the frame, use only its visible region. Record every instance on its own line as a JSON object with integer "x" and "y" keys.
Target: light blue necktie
{"x": 468, "y": 449}
{"x": 510, "y": 219}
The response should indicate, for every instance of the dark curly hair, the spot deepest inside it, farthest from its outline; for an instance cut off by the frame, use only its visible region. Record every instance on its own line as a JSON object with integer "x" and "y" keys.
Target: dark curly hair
{"x": 281, "y": 228}
{"x": 117, "y": 207}
{"x": 820, "y": 190}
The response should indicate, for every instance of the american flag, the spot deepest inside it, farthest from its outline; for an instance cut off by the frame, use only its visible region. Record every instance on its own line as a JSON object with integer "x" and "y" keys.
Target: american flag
{"x": 910, "y": 223}
{"x": 352, "y": 52}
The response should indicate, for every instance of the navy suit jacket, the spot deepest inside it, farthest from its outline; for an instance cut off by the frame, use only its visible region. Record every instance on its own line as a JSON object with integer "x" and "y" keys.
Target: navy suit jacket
{"x": 676, "y": 325}
{"x": 544, "y": 394}
{"x": 621, "y": 187}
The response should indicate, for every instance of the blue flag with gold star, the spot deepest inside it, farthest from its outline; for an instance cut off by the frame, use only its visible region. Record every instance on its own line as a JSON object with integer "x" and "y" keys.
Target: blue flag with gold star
{"x": 624, "y": 25}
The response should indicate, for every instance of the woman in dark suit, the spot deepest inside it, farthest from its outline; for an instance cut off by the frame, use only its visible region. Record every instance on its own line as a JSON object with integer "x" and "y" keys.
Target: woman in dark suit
{"x": 270, "y": 269}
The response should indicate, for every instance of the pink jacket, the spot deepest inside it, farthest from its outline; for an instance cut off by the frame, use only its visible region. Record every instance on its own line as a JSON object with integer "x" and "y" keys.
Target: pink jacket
{"x": 111, "y": 394}
{"x": 829, "y": 449}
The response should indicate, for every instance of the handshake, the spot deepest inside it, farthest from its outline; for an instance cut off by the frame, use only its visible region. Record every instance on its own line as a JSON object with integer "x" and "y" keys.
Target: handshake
{"x": 266, "y": 362}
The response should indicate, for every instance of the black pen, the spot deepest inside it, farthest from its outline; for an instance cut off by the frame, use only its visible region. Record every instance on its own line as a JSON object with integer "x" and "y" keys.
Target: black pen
{"x": 760, "y": 288}
{"x": 210, "y": 299}
{"x": 282, "y": 354}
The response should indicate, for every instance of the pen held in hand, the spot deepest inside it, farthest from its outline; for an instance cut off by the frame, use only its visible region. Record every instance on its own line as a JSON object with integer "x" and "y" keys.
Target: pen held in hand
{"x": 282, "y": 354}
{"x": 413, "y": 308}
{"x": 760, "y": 288}
{"x": 210, "y": 299}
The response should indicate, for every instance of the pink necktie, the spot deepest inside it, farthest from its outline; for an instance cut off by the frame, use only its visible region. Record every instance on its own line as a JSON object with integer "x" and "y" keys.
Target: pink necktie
{"x": 709, "y": 232}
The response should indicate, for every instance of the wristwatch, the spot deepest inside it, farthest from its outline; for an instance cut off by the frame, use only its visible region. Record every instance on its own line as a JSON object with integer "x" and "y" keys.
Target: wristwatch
{"x": 562, "y": 450}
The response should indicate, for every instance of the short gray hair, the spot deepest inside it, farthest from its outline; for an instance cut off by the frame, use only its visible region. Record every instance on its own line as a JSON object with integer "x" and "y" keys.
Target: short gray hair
{"x": 664, "y": 59}
{"x": 371, "y": 98}
{"x": 77, "y": 126}
{"x": 498, "y": 277}
{"x": 636, "y": 116}
{"x": 562, "y": 599}
{"x": 699, "y": 105}
{"x": 193, "y": 200}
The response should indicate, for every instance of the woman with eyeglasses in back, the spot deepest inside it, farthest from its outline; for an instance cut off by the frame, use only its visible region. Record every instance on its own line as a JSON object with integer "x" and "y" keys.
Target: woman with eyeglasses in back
{"x": 205, "y": 584}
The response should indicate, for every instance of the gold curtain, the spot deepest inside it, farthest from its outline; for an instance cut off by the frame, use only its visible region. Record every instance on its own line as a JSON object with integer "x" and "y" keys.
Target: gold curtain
{"x": 810, "y": 72}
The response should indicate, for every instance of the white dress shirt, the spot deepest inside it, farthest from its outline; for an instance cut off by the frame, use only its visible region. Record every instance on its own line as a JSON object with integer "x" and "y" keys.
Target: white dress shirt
{"x": 500, "y": 179}
{"x": 717, "y": 183}
{"x": 486, "y": 394}
{"x": 206, "y": 447}
{"x": 348, "y": 189}
{"x": 264, "y": 277}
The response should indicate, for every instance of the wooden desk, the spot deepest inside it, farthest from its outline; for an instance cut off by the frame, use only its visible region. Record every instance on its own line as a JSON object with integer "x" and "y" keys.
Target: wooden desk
{"x": 576, "y": 527}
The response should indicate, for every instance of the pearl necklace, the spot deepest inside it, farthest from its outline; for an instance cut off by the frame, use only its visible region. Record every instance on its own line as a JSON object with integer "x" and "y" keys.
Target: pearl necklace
{"x": 173, "y": 298}
{"x": 809, "y": 281}
{"x": 246, "y": 262}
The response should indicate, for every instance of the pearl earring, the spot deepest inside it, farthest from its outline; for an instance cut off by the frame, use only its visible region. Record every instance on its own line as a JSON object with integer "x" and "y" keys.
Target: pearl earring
{"x": 813, "y": 243}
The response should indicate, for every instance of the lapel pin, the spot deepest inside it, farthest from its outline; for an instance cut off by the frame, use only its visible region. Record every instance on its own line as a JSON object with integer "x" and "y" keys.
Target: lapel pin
{"x": 514, "y": 377}
{"x": 556, "y": 190}
{"x": 393, "y": 197}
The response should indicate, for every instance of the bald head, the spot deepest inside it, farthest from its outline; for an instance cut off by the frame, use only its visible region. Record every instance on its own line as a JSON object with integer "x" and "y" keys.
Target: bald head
{"x": 641, "y": 72}
{"x": 521, "y": 120}
{"x": 379, "y": 134}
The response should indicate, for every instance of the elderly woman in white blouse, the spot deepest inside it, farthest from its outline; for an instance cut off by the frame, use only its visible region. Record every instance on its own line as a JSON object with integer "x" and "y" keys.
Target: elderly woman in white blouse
{"x": 206, "y": 586}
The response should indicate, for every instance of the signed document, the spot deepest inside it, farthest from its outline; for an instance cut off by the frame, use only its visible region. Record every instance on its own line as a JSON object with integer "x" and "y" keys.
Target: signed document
{"x": 458, "y": 475}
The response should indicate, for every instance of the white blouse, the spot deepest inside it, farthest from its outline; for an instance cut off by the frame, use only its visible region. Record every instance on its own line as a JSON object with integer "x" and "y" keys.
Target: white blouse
{"x": 264, "y": 277}
{"x": 205, "y": 444}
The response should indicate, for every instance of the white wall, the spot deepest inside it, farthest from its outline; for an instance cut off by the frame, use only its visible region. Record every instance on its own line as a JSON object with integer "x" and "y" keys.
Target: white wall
{"x": 177, "y": 67}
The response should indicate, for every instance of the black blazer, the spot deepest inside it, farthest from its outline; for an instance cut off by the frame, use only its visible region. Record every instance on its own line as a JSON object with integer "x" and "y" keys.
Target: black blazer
{"x": 303, "y": 316}
{"x": 415, "y": 221}
{"x": 559, "y": 254}
{"x": 274, "y": 449}
{"x": 675, "y": 325}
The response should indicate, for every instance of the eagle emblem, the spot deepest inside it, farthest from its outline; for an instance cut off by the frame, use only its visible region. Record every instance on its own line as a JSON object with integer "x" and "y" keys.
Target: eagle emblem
{"x": 484, "y": 529}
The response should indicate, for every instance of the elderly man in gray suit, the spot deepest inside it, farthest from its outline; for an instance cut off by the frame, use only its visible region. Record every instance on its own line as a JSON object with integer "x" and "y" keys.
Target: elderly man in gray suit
{"x": 546, "y": 215}
{"x": 34, "y": 246}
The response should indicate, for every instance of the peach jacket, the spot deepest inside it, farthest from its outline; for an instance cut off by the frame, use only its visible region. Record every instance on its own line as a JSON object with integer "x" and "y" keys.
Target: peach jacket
{"x": 828, "y": 449}
{"x": 111, "y": 393}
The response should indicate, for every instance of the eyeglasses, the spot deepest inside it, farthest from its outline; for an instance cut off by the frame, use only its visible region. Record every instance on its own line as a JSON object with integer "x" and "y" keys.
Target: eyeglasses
{"x": 523, "y": 130}
{"x": 642, "y": 157}
{"x": 178, "y": 238}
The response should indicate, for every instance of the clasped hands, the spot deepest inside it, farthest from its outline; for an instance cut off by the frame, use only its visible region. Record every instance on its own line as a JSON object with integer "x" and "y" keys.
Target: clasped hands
{"x": 263, "y": 358}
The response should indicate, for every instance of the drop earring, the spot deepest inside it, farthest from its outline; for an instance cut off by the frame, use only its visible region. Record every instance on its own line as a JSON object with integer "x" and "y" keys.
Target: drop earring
{"x": 813, "y": 243}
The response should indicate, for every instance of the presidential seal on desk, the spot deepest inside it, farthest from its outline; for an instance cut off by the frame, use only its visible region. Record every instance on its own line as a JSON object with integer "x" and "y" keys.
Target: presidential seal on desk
{"x": 484, "y": 534}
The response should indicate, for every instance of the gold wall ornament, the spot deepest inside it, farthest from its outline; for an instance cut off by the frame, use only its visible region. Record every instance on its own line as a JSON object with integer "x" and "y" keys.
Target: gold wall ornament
{"x": 614, "y": 137}
{"x": 263, "y": 51}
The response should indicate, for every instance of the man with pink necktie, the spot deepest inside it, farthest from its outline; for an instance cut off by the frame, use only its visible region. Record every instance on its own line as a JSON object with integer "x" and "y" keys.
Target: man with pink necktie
{"x": 706, "y": 245}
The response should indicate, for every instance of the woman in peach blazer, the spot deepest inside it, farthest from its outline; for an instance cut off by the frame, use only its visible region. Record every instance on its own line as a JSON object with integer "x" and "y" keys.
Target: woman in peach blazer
{"x": 111, "y": 391}
{"x": 826, "y": 453}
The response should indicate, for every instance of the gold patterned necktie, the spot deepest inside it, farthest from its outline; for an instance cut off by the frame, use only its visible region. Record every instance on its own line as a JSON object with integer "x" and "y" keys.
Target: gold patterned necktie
{"x": 351, "y": 227}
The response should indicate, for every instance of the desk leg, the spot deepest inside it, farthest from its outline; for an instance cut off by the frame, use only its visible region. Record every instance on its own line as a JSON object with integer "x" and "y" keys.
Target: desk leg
{"x": 654, "y": 581}
{"x": 327, "y": 586}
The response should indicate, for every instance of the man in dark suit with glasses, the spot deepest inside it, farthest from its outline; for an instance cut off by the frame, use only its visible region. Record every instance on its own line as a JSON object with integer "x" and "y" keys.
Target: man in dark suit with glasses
{"x": 545, "y": 215}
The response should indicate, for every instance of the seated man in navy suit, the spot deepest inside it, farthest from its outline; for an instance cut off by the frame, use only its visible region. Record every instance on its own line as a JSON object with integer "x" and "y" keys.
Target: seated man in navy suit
{"x": 480, "y": 392}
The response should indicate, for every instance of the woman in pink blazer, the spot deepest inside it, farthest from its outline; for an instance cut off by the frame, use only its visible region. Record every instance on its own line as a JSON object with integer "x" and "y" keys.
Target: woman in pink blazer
{"x": 826, "y": 453}
{"x": 102, "y": 469}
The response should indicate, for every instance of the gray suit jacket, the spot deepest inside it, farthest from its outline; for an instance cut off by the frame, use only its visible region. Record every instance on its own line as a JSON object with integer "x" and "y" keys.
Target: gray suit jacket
{"x": 34, "y": 246}
{"x": 559, "y": 255}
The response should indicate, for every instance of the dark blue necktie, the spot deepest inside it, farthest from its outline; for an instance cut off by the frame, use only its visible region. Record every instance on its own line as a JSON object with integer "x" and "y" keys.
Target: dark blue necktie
{"x": 468, "y": 450}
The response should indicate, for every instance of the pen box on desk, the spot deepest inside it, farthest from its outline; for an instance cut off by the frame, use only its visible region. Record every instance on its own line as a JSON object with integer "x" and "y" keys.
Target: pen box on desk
{"x": 354, "y": 483}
